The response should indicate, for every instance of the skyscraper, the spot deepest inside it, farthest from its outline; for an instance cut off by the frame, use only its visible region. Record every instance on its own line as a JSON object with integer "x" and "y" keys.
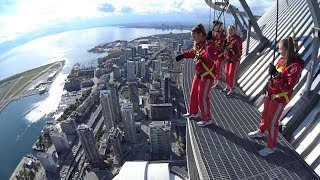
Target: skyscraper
{"x": 128, "y": 123}
{"x": 107, "y": 109}
{"x": 131, "y": 71}
{"x": 115, "y": 101}
{"x": 69, "y": 126}
{"x": 134, "y": 95}
{"x": 60, "y": 141}
{"x": 157, "y": 65}
{"x": 115, "y": 138}
{"x": 143, "y": 67}
{"x": 160, "y": 140}
{"x": 89, "y": 145}
{"x": 48, "y": 162}
{"x": 165, "y": 86}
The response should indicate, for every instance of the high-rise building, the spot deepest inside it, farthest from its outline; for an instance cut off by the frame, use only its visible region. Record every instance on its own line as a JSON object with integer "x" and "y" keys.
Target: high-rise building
{"x": 127, "y": 53}
{"x": 133, "y": 51}
{"x": 143, "y": 67}
{"x": 116, "y": 72}
{"x": 179, "y": 48}
{"x": 154, "y": 96}
{"x": 160, "y": 140}
{"x": 157, "y": 65}
{"x": 131, "y": 71}
{"x": 134, "y": 95}
{"x": 128, "y": 123}
{"x": 89, "y": 145}
{"x": 115, "y": 138}
{"x": 107, "y": 109}
{"x": 69, "y": 126}
{"x": 48, "y": 162}
{"x": 140, "y": 49}
{"x": 115, "y": 101}
{"x": 60, "y": 141}
{"x": 165, "y": 86}
{"x": 138, "y": 69}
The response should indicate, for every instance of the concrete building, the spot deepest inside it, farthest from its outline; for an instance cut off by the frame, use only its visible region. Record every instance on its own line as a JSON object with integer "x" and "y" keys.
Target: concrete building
{"x": 69, "y": 126}
{"x": 134, "y": 95}
{"x": 156, "y": 85}
{"x": 72, "y": 84}
{"x": 116, "y": 72}
{"x": 113, "y": 87}
{"x": 88, "y": 143}
{"x": 157, "y": 65}
{"x": 140, "y": 50}
{"x": 165, "y": 86}
{"x": 128, "y": 123}
{"x": 48, "y": 162}
{"x": 154, "y": 96}
{"x": 128, "y": 53}
{"x": 133, "y": 52}
{"x": 115, "y": 138}
{"x": 60, "y": 141}
{"x": 160, "y": 140}
{"x": 131, "y": 71}
{"x": 143, "y": 68}
{"x": 107, "y": 109}
{"x": 179, "y": 48}
{"x": 104, "y": 79}
{"x": 138, "y": 69}
{"x": 161, "y": 112}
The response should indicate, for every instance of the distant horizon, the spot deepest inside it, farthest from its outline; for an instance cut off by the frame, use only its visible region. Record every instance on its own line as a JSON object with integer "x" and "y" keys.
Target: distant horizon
{"x": 20, "y": 18}
{"x": 6, "y": 46}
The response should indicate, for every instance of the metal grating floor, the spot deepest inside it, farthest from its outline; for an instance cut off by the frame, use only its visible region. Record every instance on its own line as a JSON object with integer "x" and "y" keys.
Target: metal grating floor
{"x": 226, "y": 150}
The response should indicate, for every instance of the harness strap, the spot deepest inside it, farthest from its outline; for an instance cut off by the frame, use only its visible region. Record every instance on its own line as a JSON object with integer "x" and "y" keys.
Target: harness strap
{"x": 279, "y": 95}
{"x": 208, "y": 71}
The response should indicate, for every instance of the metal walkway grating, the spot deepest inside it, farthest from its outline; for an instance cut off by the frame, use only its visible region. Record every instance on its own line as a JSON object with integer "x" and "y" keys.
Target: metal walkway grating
{"x": 226, "y": 150}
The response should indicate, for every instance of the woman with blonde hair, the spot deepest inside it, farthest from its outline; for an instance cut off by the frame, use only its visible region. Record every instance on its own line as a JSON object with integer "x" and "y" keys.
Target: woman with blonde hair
{"x": 233, "y": 52}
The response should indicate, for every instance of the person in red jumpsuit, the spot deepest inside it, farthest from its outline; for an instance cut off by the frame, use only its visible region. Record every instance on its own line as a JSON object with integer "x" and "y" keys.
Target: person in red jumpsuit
{"x": 233, "y": 52}
{"x": 218, "y": 39}
{"x": 202, "y": 53}
{"x": 279, "y": 89}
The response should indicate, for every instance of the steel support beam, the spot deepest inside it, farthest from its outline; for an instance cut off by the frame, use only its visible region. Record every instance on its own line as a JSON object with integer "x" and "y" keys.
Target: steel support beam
{"x": 252, "y": 18}
{"x": 313, "y": 63}
{"x": 248, "y": 37}
{"x": 235, "y": 16}
{"x": 315, "y": 12}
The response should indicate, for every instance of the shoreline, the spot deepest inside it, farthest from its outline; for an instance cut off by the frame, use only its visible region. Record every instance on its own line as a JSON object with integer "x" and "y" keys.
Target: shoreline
{"x": 23, "y": 89}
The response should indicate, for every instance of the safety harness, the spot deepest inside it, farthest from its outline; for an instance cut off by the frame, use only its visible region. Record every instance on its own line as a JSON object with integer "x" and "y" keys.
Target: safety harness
{"x": 282, "y": 94}
{"x": 208, "y": 71}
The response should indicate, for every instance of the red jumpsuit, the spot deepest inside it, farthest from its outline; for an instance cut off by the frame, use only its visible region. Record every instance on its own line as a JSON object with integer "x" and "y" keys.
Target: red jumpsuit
{"x": 202, "y": 82}
{"x": 233, "y": 53}
{"x": 274, "y": 102}
{"x": 218, "y": 54}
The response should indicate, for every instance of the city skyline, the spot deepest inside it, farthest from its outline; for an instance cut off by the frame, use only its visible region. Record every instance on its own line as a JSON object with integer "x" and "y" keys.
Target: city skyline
{"x": 18, "y": 18}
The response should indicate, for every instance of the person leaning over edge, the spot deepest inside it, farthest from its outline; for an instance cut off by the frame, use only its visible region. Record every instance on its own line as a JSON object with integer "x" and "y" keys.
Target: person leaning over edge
{"x": 218, "y": 39}
{"x": 233, "y": 52}
{"x": 202, "y": 53}
{"x": 279, "y": 91}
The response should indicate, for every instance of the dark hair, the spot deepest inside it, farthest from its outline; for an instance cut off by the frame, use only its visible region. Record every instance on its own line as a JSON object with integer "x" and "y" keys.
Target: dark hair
{"x": 288, "y": 45}
{"x": 199, "y": 28}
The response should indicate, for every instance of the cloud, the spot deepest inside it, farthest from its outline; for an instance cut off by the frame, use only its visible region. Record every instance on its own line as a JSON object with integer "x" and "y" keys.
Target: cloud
{"x": 106, "y": 8}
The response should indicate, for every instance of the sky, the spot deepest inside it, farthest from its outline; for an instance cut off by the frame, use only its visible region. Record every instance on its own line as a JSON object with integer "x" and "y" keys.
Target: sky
{"x": 20, "y": 17}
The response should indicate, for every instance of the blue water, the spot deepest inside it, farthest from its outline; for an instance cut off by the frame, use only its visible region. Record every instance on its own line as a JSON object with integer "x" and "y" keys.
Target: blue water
{"x": 21, "y": 121}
